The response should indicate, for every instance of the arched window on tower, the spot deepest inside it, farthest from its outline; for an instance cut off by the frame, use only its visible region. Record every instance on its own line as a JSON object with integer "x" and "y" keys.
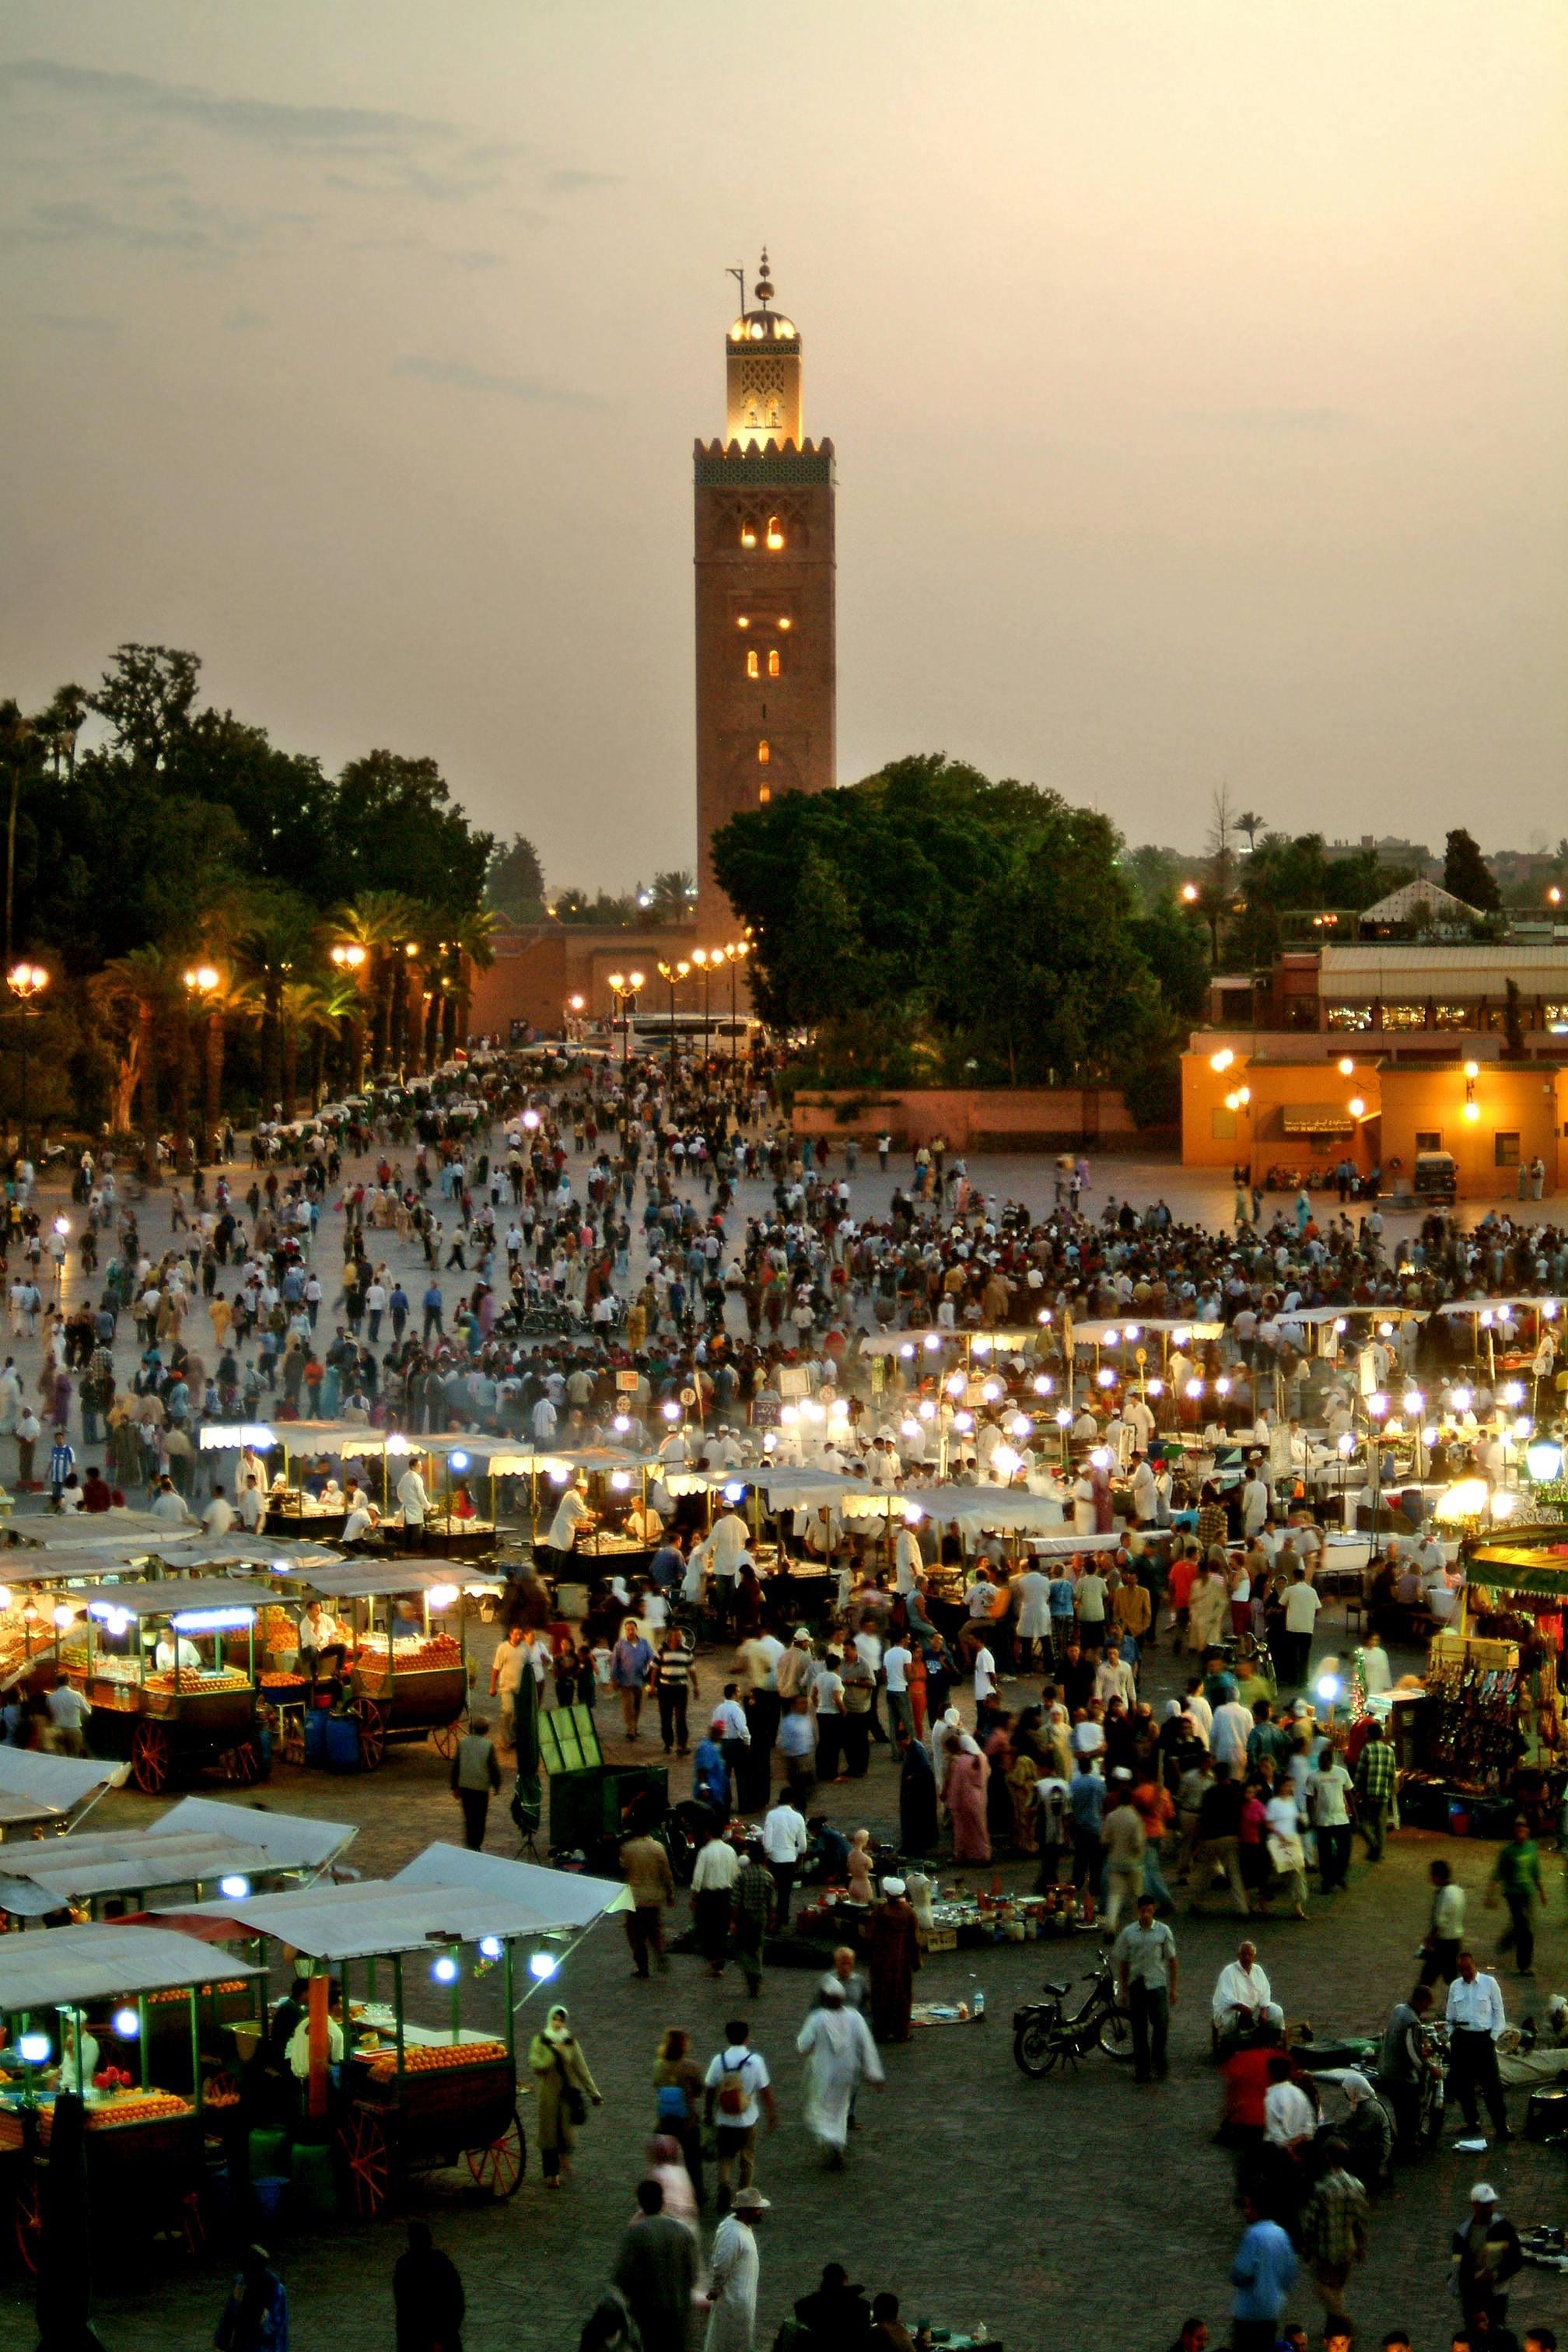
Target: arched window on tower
{"x": 763, "y": 754}
{"x": 748, "y": 533}
{"x": 775, "y": 535}
{"x": 773, "y": 661}
{"x": 753, "y": 664}
{"x": 764, "y": 794}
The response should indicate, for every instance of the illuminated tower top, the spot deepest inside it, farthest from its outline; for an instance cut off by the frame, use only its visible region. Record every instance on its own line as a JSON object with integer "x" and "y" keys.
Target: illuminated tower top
{"x": 763, "y": 372}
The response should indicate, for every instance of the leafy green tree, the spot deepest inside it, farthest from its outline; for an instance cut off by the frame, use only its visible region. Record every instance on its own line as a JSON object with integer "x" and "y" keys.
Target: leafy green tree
{"x": 396, "y": 830}
{"x": 514, "y": 881}
{"x": 1467, "y": 874}
{"x": 145, "y": 695}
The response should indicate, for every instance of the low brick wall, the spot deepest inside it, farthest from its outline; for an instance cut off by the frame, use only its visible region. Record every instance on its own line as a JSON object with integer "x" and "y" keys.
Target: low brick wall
{"x": 1029, "y": 1118}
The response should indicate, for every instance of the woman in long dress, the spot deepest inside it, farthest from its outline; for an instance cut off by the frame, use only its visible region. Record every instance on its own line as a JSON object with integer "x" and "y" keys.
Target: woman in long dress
{"x": 836, "y": 2042}
{"x": 963, "y": 1794}
{"x": 917, "y": 1801}
{"x": 563, "y": 2085}
{"x": 1207, "y": 1608}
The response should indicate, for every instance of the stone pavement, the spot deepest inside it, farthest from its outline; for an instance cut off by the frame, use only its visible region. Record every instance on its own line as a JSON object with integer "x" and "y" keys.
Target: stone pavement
{"x": 1089, "y": 2210}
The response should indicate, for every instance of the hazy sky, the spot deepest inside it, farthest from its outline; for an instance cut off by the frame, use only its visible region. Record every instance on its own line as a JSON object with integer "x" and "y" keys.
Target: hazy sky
{"x": 1196, "y": 370}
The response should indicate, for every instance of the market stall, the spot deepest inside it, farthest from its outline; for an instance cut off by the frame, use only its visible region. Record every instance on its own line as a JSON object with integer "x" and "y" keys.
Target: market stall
{"x": 1493, "y": 1728}
{"x": 408, "y": 1673}
{"x": 422, "y": 2092}
{"x": 63, "y": 1990}
{"x": 196, "y": 1845}
{"x": 169, "y": 1670}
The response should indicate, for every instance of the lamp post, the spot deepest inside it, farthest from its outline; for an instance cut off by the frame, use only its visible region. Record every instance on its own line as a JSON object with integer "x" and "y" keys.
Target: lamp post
{"x": 705, "y": 962}
{"x": 201, "y": 987}
{"x": 25, "y": 981}
{"x": 575, "y": 1008}
{"x": 673, "y": 973}
{"x": 625, "y": 987}
{"x": 738, "y": 949}
{"x": 349, "y": 958}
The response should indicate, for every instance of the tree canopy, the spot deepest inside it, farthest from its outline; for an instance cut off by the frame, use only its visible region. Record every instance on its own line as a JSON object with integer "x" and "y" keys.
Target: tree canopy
{"x": 930, "y": 923}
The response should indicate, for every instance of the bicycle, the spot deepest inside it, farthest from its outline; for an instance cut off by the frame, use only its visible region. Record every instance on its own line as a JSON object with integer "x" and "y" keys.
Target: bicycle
{"x": 1045, "y": 2036}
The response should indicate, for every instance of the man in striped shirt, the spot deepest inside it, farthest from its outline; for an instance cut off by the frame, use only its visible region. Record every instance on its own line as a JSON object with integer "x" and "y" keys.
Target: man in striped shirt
{"x": 675, "y": 1678}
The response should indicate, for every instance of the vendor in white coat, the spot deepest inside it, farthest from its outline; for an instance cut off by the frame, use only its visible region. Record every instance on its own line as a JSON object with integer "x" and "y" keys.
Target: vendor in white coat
{"x": 732, "y": 2282}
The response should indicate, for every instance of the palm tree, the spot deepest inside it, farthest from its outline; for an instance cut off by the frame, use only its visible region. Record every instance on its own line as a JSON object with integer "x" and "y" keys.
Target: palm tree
{"x": 60, "y": 725}
{"x": 382, "y": 922}
{"x": 473, "y": 950}
{"x": 269, "y": 955}
{"x": 16, "y": 733}
{"x": 303, "y": 1008}
{"x": 1252, "y": 825}
{"x": 143, "y": 985}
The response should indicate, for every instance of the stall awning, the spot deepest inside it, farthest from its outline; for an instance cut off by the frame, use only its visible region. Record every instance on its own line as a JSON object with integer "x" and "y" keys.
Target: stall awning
{"x": 184, "y": 1597}
{"x": 82, "y": 1964}
{"x": 1541, "y": 1569}
{"x": 39, "y": 1788}
{"x": 441, "y": 1897}
{"x": 352, "y": 1579}
{"x": 1317, "y": 1118}
{"x": 197, "y": 1843}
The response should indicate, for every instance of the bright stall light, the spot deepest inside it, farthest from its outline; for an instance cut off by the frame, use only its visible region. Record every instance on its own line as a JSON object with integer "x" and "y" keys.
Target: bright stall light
{"x": 126, "y": 2023}
{"x": 1064, "y": 1418}
{"x": 1513, "y": 1392}
{"x": 963, "y": 1421}
{"x": 1544, "y": 1460}
{"x": 1156, "y": 1388}
{"x": 621, "y": 1481}
{"x": 63, "y": 1617}
{"x": 734, "y": 1492}
{"x": 542, "y": 1965}
{"x": 1412, "y": 1401}
{"x": 1106, "y": 1377}
{"x": 621, "y": 1423}
{"x": 458, "y": 1461}
{"x": 1005, "y": 1461}
{"x": 1465, "y": 1500}
{"x": 445, "y": 1969}
{"x": 490, "y": 1947}
{"x": 1194, "y": 1390}
{"x": 236, "y": 1889}
{"x": 927, "y": 1409}
{"x": 1462, "y": 1400}
{"x": 35, "y": 2048}
{"x": 992, "y": 1391}
{"x": 1100, "y": 1458}
{"x": 670, "y": 1410}
{"x": 1043, "y": 1384}
{"x": 441, "y": 1596}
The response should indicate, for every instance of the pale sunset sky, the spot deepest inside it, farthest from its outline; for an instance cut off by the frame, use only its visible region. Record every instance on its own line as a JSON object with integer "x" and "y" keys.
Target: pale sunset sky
{"x": 1196, "y": 371}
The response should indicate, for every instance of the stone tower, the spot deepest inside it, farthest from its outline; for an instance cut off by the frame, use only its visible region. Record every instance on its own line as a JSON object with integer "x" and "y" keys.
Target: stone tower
{"x": 766, "y": 668}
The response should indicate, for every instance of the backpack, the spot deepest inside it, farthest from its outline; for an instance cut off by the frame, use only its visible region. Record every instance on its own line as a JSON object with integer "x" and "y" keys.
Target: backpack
{"x": 674, "y": 2110}
{"x": 733, "y": 2096}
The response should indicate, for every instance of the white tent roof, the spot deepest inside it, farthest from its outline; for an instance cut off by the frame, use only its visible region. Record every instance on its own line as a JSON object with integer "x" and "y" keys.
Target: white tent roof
{"x": 197, "y": 1842}
{"x": 178, "y": 1596}
{"x": 82, "y": 1964}
{"x": 45, "y": 1785}
{"x": 354, "y": 1580}
{"x": 441, "y": 1897}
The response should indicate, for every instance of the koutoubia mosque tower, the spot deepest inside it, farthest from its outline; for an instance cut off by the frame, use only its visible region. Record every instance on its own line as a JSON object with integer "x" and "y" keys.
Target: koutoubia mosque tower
{"x": 766, "y": 666}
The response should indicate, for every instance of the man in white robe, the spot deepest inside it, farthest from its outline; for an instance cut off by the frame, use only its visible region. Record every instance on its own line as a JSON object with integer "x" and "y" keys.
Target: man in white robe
{"x": 836, "y": 2042}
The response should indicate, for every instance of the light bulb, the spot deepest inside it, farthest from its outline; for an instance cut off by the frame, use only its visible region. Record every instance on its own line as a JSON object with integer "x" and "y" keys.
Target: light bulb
{"x": 542, "y": 1965}
{"x": 126, "y": 2023}
{"x": 236, "y": 1889}
{"x": 445, "y": 1969}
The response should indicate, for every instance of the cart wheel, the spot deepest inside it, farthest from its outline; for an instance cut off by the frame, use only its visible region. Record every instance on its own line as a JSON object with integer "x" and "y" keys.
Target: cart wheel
{"x": 444, "y": 1737}
{"x": 150, "y": 1758}
{"x": 499, "y": 2168}
{"x": 369, "y": 2158}
{"x": 372, "y": 1733}
{"x": 294, "y": 1736}
{"x": 28, "y": 2223}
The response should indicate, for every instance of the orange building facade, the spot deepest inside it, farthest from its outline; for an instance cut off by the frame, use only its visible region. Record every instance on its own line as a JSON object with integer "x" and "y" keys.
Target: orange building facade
{"x": 1301, "y": 1118}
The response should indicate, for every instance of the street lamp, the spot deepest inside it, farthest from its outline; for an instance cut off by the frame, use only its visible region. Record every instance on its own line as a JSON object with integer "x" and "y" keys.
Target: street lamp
{"x": 738, "y": 950}
{"x": 350, "y": 959}
{"x": 624, "y": 987}
{"x": 25, "y": 981}
{"x": 705, "y": 962}
{"x": 673, "y": 973}
{"x": 201, "y": 987}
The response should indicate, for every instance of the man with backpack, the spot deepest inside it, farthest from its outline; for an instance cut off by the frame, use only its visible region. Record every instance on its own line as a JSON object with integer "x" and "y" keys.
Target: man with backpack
{"x": 739, "y": 2092}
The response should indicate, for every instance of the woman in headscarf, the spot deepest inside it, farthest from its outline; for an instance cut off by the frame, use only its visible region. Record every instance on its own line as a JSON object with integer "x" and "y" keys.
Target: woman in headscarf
{"x": 917, "y": 1801}
{"x": 564, "y": 2087}
{"x": 1024, "y": 1776}
{"x": 964, "y": 1793}
{"x": 1208, "y": 1607}
{"x": 1368, "y": 2134}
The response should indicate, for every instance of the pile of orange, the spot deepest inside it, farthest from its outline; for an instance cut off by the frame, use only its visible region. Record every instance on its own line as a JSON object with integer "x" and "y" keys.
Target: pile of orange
{"x": 426, "y": 2059}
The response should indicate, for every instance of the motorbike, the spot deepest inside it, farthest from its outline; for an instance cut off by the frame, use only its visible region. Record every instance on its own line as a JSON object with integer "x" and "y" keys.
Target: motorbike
{"x": 1046, "y": 2035}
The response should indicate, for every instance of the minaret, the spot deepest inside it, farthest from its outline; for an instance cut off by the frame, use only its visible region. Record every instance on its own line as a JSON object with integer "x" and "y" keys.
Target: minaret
{"x": 766, "y": 668}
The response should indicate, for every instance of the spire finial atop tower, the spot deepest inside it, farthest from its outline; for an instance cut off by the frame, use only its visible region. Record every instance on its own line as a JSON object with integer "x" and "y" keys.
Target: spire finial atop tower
{"x": 765, "y": 288}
